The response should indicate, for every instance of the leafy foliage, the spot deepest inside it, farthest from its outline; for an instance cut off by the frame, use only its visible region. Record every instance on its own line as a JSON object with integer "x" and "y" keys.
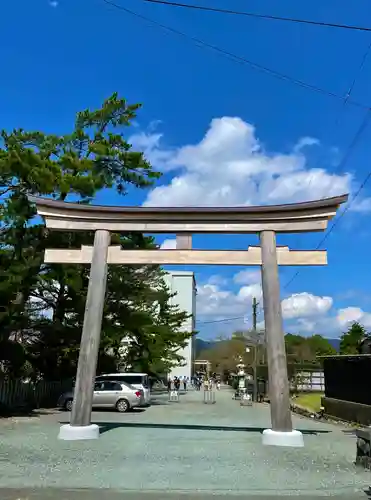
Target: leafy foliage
{"x": 351, "y": 339}
{"x": 42, "y": 306}
{"x": 306, "y": 349}
{"x": 302, "y": 351}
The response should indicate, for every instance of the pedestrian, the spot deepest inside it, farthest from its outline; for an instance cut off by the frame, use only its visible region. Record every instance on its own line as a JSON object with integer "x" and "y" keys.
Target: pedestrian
{"x": 218, "y": 385}
{"x": 185, "y": 383}
{"x": 177, "y": 384}
{"x": 168, "y": 384}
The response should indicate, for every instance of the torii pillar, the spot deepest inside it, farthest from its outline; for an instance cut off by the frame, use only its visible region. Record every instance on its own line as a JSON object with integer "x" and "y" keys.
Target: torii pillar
{"x": 267, "y": 221}
{"x": 279, "y": 390}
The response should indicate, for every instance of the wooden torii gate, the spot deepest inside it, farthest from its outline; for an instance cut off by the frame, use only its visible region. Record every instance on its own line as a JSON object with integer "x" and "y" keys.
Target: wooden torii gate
{"x": 266, "y": 221}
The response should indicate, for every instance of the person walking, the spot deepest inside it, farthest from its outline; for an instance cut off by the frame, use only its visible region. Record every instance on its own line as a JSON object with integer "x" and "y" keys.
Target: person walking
{"x": 185, "y": 383}
{"x": 177, "y": 384}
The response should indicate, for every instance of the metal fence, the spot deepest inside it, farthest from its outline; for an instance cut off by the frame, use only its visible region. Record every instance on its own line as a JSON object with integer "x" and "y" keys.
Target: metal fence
{"x": 348, "y": 378}
{"x": 20, "y": 394}
{"x": 309, "y": 381}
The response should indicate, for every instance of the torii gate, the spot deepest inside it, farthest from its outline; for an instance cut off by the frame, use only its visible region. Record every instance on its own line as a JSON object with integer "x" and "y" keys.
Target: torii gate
{"x": 266, "y": 220}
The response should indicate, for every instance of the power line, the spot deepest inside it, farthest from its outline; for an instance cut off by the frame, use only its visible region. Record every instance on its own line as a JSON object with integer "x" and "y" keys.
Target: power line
{"x": 348, "y": 94}
{"x": 234, "y": 57}
{"x": 281, "y": 76}
{"x": 357, "y": 137}
{"x": 260, "y": 16}
{"x": 354, "y": 142}
{"x": 223, "y": 320}
{"x": 359, "y": 71}
{"x": 361, "y": 129}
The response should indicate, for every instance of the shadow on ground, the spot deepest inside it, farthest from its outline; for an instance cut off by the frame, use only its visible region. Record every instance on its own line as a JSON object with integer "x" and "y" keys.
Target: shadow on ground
{"x": 159, "y": 402}
{"x": 24, "y": 411}
{"x": 109, "y": 426}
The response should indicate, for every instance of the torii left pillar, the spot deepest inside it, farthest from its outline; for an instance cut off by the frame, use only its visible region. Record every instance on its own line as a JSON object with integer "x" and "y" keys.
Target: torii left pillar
{"x": 80, "y": 426}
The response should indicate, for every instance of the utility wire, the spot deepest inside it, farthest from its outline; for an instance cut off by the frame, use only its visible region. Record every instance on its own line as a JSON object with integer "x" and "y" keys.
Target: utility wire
{"x": 361, "y": 129}
{"x": 260, "y": 16}
{"x": 280, "y": 76}
{"x": 358, "y": 135}
{"x": 239, "y": 59}
{"x": 358, "y": 73}
{"x": 348, "y": 94}
{"x": 223, "y": 320}
{"x": 346, "y": 156}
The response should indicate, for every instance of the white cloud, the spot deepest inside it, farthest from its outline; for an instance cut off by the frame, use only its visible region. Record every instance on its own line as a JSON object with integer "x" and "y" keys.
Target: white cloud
{"x": 169, "y": 244}
{"x": 304, "y": 305}
{"x": 349, "y": 315}
{"x": 214, "y": 300}
{"x": 230, "y": 166}
{"x": 247, "y": 293}
{"x": 216, "y": 279}
{"x": 149, "y": 144}
{"x": 306, "y": 326}
{"x": 303, "y": 313}
{"x": 363, "y": 206}
{"x": 247, "y": 276}
{"x": 305, "y": 142}
{"x": 220, "y": 301}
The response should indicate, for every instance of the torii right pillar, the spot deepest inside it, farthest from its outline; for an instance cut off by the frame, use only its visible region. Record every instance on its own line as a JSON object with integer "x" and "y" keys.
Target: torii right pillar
{"x": 281, "y": 433}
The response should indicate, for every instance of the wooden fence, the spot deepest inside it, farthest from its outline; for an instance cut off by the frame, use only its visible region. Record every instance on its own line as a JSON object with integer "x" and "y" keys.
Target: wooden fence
{"x": 20, "y": 394}
{"x": 348, "y": 378}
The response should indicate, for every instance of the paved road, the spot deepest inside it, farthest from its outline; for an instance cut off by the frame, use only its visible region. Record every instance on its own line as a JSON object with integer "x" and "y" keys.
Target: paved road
{"x": 185, "y": 448}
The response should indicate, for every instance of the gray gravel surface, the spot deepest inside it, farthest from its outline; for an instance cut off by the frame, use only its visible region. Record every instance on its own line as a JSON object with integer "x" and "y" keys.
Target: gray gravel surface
{"x": 57, "y": 494}
{"x": 178, "y": 448}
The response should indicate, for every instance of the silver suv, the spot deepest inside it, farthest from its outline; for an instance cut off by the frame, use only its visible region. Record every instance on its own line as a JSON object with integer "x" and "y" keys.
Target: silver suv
{"x": 108, "y": 394}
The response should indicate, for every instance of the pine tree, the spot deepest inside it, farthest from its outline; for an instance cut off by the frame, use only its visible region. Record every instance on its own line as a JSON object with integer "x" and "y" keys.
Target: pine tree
{"x": 351, "y": 339}
{"x": 42, "y": 306}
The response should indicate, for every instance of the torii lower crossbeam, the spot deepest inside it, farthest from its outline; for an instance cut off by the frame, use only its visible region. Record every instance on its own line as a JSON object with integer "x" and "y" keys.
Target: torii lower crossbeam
{"x": 250, "y": 257}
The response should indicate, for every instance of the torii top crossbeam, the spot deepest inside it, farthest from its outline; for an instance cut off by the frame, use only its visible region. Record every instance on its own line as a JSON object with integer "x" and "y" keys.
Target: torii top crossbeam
{"x": 291, "y": 218}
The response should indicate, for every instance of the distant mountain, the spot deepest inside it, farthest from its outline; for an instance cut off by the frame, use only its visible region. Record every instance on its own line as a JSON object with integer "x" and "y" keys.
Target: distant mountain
{"x": 203, "y": 345}
{"x": 335, "y": 343}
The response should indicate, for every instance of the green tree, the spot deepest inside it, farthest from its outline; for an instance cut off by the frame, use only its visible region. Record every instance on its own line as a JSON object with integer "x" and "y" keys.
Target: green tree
{"x": 224, "y": 354}
{"x": 320, "y": 346}
{"x": 350, "y": 340}
{"x": 45, "y": 303}
{"x": 298, "y": 349}
{"x": 301, "y": 349}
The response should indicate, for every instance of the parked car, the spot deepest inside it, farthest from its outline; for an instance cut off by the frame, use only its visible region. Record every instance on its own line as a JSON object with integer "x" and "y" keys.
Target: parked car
{"x": 138, "y": 380}
{"x": 109, "y": 394}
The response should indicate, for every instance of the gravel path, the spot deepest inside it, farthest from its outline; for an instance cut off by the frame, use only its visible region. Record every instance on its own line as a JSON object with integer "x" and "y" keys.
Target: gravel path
{"x": 179, "y": 448}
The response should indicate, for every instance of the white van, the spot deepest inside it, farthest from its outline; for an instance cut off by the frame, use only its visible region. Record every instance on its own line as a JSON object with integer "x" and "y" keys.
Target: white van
{"x": 137, "y": 380}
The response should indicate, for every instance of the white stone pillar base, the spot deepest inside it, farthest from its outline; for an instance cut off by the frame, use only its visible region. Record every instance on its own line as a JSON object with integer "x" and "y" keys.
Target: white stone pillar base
{"x": 293, "y": 439}
{"x": 69, "y": 432}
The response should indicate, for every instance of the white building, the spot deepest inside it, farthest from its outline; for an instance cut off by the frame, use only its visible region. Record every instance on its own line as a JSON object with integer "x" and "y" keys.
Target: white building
{"x": 183, "y": 283}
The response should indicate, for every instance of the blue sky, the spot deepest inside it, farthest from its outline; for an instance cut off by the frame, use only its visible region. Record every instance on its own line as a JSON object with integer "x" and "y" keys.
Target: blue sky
{"x": 62, "y": 57}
